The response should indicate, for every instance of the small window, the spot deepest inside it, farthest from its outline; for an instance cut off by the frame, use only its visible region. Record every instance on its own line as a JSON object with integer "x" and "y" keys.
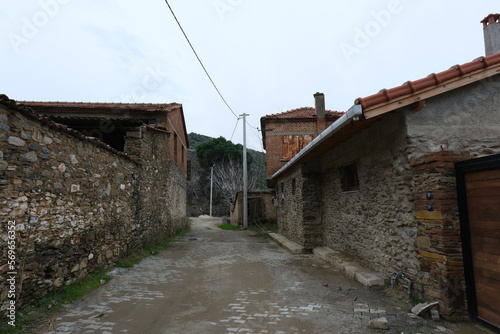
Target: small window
{"x": 349, "y": 178}
{"x": 282, "y": 186}
{"x": 294, "y": 186}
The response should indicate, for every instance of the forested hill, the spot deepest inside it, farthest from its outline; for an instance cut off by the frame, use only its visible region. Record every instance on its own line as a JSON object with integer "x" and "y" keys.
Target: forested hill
{"x": 199, "y": 183}
{"x": 258, "y": 158}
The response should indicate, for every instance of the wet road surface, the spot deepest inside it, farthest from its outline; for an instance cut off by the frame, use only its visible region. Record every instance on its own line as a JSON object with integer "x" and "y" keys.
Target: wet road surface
{"x": 216, "y": 281}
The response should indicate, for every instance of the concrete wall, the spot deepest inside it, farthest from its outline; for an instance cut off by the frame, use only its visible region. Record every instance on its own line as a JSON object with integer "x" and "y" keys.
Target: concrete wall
{"x": 268, "y": 209}
{"x": 77, "y": 203}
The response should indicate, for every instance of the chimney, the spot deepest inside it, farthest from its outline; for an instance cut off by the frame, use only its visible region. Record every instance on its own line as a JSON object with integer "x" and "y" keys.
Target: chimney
{"x": 319, "y": 99}
{"x": 491, "y": 25}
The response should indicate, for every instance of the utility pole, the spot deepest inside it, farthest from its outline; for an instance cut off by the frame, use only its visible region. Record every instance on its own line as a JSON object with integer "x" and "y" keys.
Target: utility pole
{"x": 245, "y": 173}
{"x": 211, "y": 186}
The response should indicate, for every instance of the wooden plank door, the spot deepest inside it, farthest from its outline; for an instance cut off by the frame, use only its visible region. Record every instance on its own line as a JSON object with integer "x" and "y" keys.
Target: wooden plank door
{"x": 483, "y": 202}
{"x": 478, "y": 189}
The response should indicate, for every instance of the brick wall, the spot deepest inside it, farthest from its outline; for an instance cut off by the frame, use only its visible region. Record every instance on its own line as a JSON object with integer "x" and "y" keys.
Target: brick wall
{"x": 441, "y": 275}
{"x": 277, "y": 129}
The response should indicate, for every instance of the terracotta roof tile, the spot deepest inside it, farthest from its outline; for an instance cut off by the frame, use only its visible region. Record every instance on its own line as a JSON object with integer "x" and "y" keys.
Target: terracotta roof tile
{"x": 99, "y": 107}
{"x": 434, "y": 79}
{"x": 28, "y": 112}
{"x": 304, "y": 112}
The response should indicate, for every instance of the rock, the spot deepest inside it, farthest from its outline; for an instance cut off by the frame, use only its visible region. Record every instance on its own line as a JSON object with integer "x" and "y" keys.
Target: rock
{"x": 30, "y": 156}
{"x": 73, "y": 159}
{"x": 16, "y": 141}
{"x": 435, "y": 315}
{"x": 62, "y": 168}
{"x": 420, "y": 308}
{"x": 379, "y": 323}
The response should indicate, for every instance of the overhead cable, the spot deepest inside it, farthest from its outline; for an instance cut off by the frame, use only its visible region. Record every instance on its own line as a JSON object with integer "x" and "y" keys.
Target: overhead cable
{"x": 199, "y": 60}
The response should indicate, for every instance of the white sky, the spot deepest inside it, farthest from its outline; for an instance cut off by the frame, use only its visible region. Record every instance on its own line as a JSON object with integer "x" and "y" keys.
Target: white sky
{"x": 266, "y": 56}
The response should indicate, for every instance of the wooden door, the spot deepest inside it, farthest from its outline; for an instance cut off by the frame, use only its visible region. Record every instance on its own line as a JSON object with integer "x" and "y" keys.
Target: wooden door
{"x": 480, "y": 219}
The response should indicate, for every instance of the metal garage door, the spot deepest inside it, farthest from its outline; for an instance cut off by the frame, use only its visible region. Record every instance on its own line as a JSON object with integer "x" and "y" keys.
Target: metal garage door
{"x": 478, "y": 184}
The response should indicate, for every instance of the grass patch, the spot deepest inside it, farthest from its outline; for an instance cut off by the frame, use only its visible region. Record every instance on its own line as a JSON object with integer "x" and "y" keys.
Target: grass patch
{"x": 228, "y": 227}
{"x": 263, "y": 228}
{"x": 29, "y": 318}
{"x": 148, "y": 250}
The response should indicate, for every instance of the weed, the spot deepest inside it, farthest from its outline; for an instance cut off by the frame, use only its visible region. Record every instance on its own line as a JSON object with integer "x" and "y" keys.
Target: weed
{"x": 150, "y": 249}
{"x": 228, "y": 227}
{"x": 30, "y": 317}
{"x": 263, "y": 228}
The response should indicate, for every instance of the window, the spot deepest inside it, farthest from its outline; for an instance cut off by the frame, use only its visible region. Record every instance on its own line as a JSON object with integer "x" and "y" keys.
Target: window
{"x": 294, "y": 186}
{"x": 292, "y": 144}
{"x": 349, "y": 178}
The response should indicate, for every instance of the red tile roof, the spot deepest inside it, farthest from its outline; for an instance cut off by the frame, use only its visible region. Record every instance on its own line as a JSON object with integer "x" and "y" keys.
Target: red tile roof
{"x": 429, "y": 82}
{"x": 304, "y": 112}
{"x": 98, "y": 107}
{"x": 28, "y": 112}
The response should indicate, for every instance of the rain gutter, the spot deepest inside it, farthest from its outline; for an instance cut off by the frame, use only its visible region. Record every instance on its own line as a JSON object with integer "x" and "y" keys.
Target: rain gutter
{"x": 352, "y": 114}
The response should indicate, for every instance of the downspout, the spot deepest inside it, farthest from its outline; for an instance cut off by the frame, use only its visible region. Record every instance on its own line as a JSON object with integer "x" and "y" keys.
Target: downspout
{"x": 350, "y": 115}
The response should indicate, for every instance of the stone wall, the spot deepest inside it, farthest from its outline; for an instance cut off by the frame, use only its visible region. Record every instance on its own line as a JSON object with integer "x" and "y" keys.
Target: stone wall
{"x": 77, "y": 203}
{"x": 374, "y": 224}
{"x": 290, "y": 206}
{"x": 404, "y": 217}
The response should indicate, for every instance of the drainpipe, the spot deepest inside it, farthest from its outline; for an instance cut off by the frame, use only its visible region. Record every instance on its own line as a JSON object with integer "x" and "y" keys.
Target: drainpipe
{"x": 352, "y": 114}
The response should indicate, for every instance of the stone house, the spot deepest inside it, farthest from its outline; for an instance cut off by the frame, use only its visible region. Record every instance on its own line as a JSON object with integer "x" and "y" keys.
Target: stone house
{"x": 286, "y": 133}
{"x": 260, "y": 207}
{"x": 87, "y": 190}
{"x": 379, "y": 184}
{"x": 113, "y": 122}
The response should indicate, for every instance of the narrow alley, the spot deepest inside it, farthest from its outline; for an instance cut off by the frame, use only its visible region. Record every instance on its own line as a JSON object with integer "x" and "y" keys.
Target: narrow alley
{"x": 217, "y": 281}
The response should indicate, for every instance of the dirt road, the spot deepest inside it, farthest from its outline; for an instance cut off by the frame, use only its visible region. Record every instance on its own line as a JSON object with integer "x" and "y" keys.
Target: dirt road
{"x": 216, "y": 281}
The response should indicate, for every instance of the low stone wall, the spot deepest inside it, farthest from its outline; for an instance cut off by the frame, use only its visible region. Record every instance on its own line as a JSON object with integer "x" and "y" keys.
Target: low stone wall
{"x": 77, "y": 204}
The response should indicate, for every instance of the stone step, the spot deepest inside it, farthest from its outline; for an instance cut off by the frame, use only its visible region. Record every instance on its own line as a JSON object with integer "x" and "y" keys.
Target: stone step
{"x": 291, "y": 246}
{"x": 350, "y": 268}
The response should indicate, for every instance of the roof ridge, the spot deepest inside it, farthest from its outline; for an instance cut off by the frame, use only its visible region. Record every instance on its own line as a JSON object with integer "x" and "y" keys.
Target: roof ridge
{"x": 303, "y": 108}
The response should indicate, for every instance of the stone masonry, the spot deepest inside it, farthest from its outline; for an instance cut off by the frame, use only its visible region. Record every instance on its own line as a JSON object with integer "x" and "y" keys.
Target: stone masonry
{"x": 77, "y": 203}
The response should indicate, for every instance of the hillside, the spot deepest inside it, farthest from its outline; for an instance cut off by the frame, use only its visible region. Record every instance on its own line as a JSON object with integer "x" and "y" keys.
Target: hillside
{"x": 199, "y": 185}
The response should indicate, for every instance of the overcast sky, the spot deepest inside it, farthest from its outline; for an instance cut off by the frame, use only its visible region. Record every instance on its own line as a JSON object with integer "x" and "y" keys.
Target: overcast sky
{"x": 266, "y": 56}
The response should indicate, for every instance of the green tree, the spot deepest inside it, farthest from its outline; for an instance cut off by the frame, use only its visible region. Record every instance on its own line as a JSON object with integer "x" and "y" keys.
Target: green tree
{"x": 219, "y": 150}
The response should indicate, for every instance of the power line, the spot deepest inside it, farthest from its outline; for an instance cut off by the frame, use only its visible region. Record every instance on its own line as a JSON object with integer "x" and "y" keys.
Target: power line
{"x": 234, "y": 130}
{"x": 258, "y": 136}
{"x": 199, "y": 60}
